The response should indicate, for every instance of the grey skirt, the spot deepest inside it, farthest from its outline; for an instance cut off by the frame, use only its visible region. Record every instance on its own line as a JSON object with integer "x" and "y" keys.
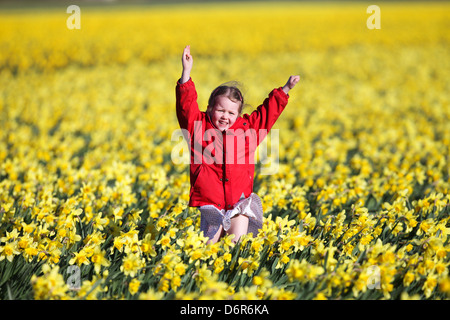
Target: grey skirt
{"x": 212, "y": 218}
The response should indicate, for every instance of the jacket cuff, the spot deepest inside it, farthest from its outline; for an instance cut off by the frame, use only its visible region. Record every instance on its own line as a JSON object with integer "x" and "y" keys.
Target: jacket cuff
{"x": 185, "y": 85}
{"x": 282, "y": 93}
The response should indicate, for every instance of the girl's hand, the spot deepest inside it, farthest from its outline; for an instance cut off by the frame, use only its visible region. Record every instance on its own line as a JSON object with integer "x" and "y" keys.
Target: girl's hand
{"x": 293, "y": 80}
{"x": 187, "y": 63}
{"x": 187, "y": 58}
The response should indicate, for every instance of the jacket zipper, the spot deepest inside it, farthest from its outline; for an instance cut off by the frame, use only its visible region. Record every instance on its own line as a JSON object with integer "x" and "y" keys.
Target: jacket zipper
{"x": 224, "y": 170}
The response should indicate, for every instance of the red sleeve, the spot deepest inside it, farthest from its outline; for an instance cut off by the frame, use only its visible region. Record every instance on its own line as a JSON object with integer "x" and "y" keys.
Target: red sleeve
{"x": 186, "y": 105}
{"x": 265, "y": 116}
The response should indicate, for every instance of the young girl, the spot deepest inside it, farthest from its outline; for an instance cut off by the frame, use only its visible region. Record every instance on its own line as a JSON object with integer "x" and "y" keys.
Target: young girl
{"x": 222, "y": 143}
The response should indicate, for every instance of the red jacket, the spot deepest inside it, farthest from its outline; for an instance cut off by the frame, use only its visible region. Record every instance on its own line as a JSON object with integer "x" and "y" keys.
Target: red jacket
{"x": 222, "y": 163}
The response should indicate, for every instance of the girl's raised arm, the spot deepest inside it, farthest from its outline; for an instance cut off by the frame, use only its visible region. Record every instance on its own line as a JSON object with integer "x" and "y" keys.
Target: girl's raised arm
{"x": 187, "y": 63}
{"x": 267, "y": 114}
{"x": 186, "y": 95}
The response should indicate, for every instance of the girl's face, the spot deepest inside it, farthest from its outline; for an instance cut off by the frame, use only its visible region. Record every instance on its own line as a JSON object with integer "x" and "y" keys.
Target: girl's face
{"x": 224, "y": 113}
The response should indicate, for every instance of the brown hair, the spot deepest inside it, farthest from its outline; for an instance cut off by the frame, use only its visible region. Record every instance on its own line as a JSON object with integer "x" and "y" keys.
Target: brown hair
{"x": 231, "y": 91}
